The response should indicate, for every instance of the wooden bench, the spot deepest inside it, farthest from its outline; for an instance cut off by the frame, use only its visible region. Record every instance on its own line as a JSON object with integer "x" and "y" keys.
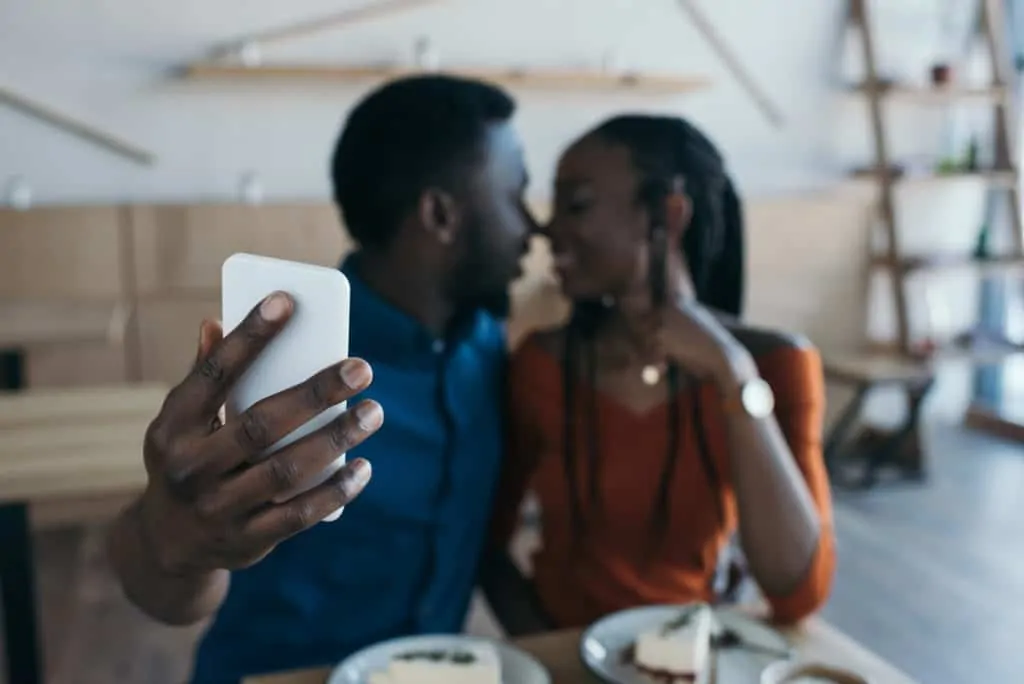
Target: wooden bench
{"x": 57, "y": 444}
{"x": 900, "y": 447}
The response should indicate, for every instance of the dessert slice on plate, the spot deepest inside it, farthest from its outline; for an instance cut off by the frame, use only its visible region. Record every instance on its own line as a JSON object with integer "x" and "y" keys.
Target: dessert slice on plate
{"x": 440, "y": 658}
{"x": 471, "y": 663}
{"x": 678, "y": 650}
{"x": 680, "y": 644}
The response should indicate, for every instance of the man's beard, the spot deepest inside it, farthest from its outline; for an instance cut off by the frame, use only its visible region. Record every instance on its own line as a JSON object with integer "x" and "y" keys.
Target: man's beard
{"x": 484, "y": 294}
{"x": 495, "y": 301}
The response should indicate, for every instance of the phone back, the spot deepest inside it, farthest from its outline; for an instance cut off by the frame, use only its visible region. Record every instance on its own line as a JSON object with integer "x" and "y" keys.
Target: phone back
{"x": 316, "y": 336}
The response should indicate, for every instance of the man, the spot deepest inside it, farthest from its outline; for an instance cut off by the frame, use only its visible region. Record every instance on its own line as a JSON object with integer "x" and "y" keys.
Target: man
{"x": 429, "y": 176}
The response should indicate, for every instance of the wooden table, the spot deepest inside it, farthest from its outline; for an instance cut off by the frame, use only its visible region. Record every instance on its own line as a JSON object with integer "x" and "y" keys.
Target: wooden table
{"x": 815, "y": 641}
{"x": 53, "y": 444}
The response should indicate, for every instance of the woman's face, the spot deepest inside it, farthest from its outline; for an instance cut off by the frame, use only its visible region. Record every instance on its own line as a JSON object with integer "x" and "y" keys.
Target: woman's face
{"x": 598, "y": 230}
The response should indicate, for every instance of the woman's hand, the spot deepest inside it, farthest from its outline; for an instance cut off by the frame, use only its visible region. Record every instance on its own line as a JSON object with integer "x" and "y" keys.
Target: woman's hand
{"x": 688, "y": 334}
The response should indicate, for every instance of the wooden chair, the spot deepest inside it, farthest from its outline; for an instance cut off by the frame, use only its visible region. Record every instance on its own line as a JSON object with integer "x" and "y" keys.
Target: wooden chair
{"x": 901, "y": 447}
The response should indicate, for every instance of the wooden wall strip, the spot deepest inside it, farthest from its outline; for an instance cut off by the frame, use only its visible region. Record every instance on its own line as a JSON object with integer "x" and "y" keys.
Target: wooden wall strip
{"x": 806, "y": 263}
{"x": 180, "y": 249}
{"x": 169, "y": 335}
{"x": 60, "y": 253}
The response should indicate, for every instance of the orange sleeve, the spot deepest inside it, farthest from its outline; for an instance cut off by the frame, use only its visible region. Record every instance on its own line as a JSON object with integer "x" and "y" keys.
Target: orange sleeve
{"x": 800, "y": 415}
{"x": 521, "y": 452}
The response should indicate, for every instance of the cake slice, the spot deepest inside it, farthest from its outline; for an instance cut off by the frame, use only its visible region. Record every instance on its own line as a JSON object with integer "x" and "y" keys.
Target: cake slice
{"x": 678, "y": 649}
{"x": 467, "y": 664}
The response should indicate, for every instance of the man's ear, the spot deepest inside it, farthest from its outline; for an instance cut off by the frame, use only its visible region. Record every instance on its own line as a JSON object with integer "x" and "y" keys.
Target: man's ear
{"x": 440, "y": 215}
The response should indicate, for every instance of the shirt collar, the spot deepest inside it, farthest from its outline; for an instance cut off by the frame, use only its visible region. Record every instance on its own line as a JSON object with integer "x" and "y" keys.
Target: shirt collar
{"x": 383, "y": 331}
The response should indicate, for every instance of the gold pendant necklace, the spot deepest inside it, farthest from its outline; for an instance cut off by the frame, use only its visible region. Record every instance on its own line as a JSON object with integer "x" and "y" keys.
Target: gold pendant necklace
{"x": 651, "y": 375}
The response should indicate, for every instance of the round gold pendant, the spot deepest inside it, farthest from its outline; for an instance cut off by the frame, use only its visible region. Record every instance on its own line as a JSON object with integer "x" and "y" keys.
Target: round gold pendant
{"x": 651, "y": 375}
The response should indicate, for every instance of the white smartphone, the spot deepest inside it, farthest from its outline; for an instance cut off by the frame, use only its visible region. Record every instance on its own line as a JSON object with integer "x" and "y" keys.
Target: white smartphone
{"x": 315, "y": 337}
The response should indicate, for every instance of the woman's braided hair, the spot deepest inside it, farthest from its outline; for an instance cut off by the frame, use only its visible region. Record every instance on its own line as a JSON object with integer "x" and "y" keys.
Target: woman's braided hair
{"x": 663, "y": 149}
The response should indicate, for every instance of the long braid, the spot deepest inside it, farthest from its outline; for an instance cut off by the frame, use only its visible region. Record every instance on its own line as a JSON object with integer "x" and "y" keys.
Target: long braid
{"x": 569, "y": 435}
{"x": 664, "y": 148}
{"x": 593, "y": 454}
{"x": 661, "y": 503}
{"x": 578, "y": 343}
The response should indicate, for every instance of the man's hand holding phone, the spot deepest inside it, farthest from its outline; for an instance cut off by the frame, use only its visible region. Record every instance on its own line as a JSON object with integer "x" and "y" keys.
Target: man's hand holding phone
{"x": 213, "y": 501}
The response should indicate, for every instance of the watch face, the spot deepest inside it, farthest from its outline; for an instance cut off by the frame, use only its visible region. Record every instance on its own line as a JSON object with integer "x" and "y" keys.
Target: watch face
{"x": 758, "y": 398}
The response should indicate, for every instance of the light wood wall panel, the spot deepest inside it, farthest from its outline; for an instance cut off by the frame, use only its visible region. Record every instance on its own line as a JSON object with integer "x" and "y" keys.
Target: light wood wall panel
{"x": 169, "y": 334}
{"x": 61, "y": 253}
{"x": 76, "y": 365}
{"x": 807, "y": 266}
{"x": 180, "y": 249}
{"x": 807, "y": 262}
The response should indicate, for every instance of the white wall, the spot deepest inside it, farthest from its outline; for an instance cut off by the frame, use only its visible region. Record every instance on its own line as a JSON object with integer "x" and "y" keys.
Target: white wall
{"x": 111, "y": 62}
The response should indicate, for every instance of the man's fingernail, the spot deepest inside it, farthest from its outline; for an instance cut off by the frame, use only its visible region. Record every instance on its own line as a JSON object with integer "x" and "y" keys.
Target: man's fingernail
{"x": 274, "y": 307}
{"x": 361, "y": 471}
{"x": 370, "y": 415}
{"x": 356, "y": 373}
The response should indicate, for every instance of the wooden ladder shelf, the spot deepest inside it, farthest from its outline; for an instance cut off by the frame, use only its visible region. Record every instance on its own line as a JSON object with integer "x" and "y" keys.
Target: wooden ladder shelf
{"x": 905, "y": 364}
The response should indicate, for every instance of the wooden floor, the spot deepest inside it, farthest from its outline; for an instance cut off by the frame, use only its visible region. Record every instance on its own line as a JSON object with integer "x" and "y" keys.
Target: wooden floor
{"x": 931, "y": 577}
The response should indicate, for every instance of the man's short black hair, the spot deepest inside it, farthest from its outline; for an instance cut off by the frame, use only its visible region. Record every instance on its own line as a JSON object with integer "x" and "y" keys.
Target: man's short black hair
{"x": 405, "y": 136}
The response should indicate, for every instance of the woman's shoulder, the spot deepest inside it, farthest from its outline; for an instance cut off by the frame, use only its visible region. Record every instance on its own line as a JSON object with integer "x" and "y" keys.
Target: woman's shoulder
{"x": 783, "y": 358}
{"x": 789, "y": 363}
{"x": 767, "y": 341}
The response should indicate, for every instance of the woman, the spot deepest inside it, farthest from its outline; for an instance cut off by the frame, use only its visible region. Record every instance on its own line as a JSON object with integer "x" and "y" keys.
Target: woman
{"x": 653, "y": 424}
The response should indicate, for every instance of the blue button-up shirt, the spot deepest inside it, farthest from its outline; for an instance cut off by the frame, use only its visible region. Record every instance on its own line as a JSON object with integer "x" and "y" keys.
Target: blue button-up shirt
{"x": 402, "y": 558}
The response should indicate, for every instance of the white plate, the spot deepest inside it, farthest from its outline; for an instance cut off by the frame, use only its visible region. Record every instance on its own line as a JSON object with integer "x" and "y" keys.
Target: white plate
{"x": 517, "y": 667}
{"x": 604, "y": 643}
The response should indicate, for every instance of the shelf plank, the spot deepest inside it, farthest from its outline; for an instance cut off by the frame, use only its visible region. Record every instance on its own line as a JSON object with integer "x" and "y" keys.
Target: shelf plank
{"x": 980, "y": 353}
{"x": 952, "y": 262}
{"x": 1005, "y": 423}
{"x": 1005, "y": 178}
{"x": 541, "y": 79}
{"x": 936, "y": 94}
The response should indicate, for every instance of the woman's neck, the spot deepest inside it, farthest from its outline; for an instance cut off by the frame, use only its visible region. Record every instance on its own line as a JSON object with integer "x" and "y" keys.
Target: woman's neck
{"x": 639, "y": 302}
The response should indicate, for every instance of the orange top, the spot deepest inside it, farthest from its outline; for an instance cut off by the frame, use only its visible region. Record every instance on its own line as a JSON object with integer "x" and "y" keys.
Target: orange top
{"x": 613, "y": 567}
